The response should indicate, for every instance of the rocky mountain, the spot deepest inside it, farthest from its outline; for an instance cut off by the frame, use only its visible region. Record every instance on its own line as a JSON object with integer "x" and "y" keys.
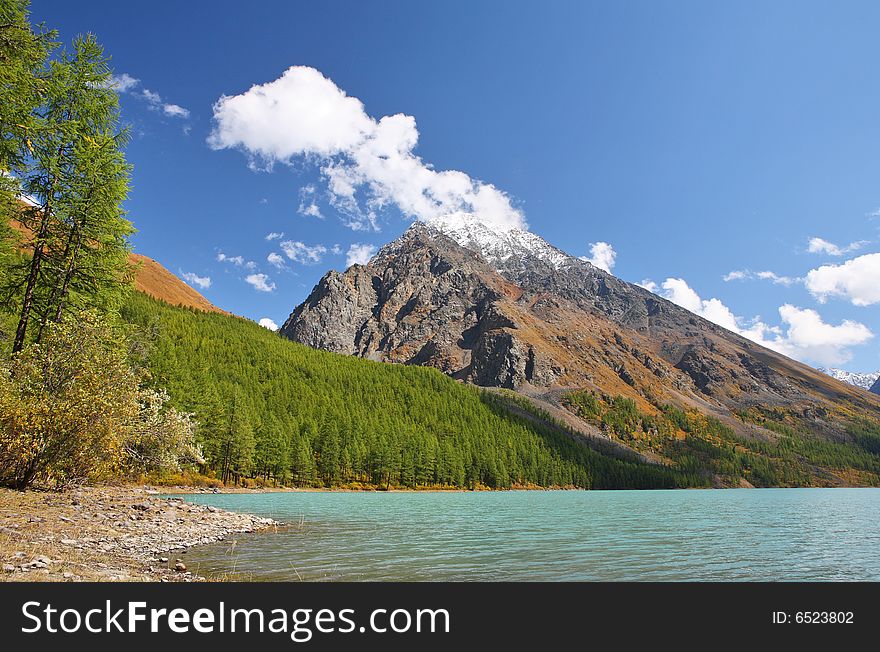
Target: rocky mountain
{"x": 875, "y": 387}
{"x": 865, "y": 381}
{"x": 507, "y": 309}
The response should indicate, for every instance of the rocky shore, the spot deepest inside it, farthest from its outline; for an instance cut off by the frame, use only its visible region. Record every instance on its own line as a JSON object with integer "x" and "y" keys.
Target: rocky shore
{"x": 109, "y": 534}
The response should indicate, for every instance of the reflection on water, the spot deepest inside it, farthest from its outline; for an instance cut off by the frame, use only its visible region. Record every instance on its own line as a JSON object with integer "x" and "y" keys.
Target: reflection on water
{"x": 768, "y": 534}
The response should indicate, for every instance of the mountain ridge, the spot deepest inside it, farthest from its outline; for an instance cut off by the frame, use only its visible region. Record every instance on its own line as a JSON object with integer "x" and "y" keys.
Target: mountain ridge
{"x": 534, "y": 321}
{"x": 863, "y": 380}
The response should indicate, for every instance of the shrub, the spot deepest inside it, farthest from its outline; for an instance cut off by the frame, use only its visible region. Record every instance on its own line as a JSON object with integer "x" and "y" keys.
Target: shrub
{"x": 72, "y": 409}
{"x": 65, "y": 405}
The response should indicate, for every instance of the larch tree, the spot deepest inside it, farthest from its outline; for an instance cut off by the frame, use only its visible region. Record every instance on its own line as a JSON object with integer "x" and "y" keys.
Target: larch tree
{"x": 76, "y": 173}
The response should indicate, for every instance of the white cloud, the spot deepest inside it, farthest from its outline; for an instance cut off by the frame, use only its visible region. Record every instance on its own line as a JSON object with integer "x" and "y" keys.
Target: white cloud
{"x": 123, "y": 83}
{"x": 745, "y": 274}
{"x": 857, "y": 280}
{"x": 274, "y": 236}
{"x": 265, "y": 322}
{"x": 312, "y": 210}
{"x": 175, "y": 111}
{"x": 336, "y": 249}
{"x": 359, "y": 254}
{"x": 307, "y": 205}
{"x": 261, "y": 282}
{"x": 776, "y": 278}
{"x": 154, "y": 100}
{"x": 803, "y": 334}
{"x": 368, "y": 164}
{"x": 678, "y": 291}
{"x": 602, "y": 255}
{"x": 204, "y": 282}
{"x": 238, "y": 261}
{"x": 276, "y": 259}
{"x": 151, "y": 97}
{"x": 302, "y": 253}
{"x": 810, "y": 338}
{"x": 820, "y": 246}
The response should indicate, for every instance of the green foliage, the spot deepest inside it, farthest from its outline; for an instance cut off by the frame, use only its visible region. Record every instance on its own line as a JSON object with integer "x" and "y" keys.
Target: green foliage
{"x": 72, "y": 166}
{"x": 23, "y": 53}
{"x": 277, "y": 410}
{"x": 703, "y": 445}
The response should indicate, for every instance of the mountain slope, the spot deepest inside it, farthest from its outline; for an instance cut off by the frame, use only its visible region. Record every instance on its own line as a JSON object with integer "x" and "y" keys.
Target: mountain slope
{"x": 510, "y": 310}
{"x": 156, "y": 281}
{"x": 152, "y": 278}
{"x": 875, "y": 388}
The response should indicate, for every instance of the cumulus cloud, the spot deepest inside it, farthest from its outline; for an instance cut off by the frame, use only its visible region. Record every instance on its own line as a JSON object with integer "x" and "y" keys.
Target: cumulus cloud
{"x": 203, "y": 282}
{"x": 261, "y": 282}
{"x": 274, "y": 236}
{"x": 802, "y": 335}
{"x": 359, "y": 254}
{"x": 678, "y": 291}
{"x": 808, "y": 337}
{"x": 820, "y": 246}
{"x": 745, "y": 274}
{"x": 602, "y": 255}
{"x": 857, "y": 280}
{"x": 265, "y": 322}
{"x": 302, "y": 253}
{"x": 276, "y": 259}
{"x": 367, "y": 164}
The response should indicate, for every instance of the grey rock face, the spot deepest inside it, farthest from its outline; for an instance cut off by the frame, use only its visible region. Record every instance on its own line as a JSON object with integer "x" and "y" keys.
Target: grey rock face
{"x": 424, "y": 300}
{"x": 875, "y": 388}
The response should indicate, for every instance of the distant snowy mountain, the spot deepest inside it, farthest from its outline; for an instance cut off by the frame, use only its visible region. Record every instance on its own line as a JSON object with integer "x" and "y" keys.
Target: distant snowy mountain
{"x": 863, "y": 380}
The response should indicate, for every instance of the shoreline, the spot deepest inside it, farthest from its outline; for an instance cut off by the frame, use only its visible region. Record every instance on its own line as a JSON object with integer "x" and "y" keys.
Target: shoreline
{"x": 109, "y": 533}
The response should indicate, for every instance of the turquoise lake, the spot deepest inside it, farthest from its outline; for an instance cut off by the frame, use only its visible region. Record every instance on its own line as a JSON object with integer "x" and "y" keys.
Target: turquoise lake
{"x": 711, "y": 535}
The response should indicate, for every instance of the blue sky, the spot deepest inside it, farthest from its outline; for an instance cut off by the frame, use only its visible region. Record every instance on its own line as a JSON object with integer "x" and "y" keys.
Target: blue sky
{"x": 696, "y": 138}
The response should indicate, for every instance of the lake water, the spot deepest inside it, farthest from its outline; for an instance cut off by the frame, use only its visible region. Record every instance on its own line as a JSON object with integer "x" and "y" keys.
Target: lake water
{"x": 748, "y": 534}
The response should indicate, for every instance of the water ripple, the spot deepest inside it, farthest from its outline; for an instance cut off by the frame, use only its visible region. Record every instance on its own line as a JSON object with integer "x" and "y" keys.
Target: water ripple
{"x": 771, "y": 534}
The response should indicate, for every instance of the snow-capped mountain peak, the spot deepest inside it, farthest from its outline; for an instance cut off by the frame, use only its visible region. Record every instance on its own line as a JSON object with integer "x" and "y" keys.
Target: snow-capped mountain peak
{"x": 498, "y": 245}
{"x": 863, "y": 380}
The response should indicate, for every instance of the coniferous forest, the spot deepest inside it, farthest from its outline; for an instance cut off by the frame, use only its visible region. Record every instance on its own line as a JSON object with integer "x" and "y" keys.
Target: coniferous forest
{"x": 273, "y": 409}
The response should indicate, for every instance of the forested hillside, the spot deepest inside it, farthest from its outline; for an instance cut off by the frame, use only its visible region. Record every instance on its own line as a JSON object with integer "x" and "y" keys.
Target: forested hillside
{"x": 275, "y": 409}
